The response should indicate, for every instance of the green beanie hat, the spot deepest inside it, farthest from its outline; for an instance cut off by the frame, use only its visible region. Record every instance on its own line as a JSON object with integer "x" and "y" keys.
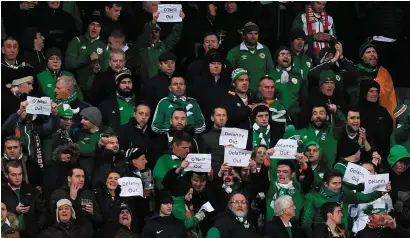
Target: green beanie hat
{"x": 397, "y": 152}
{"x": 327, "y": 75}
{"x": 64, "y": 110}
{"x": 237, "y": 73}
{"x": 311, "y": 143}
{"x": 401, "y": 112}
{"x": 378, "y": 207}
{"x": 249, "y": 27}
{"x": 364, "y": 47}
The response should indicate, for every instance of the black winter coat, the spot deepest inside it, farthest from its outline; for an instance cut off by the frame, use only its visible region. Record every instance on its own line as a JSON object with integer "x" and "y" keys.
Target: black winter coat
{"x": 35, "y": 218}
{"x": 131, "y": 135}
{"x": 103, "y": 87}
{"x": 156, "y": 89}
{"x": 106, "y": 161}
{"x": 164, "y": 227}
{"x": 76, "y": 229}
{"x": 239, "y": 114}
{"x": 209, "y": 144}
{"x": 110, "y": 111}
{"x": 276, "y": 229}
{"x": 228, "y": 227}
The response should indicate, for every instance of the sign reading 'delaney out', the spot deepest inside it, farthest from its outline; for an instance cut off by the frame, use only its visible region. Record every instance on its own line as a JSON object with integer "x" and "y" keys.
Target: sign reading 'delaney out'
{"x": 236, "y": 157}
{"x": 355, "y": 174}
{"x": 169, "y": 12}
{"x": 37, "y": 106}
{"x": 130, "y": 187}
{"x": 285, "y": 149}
{"x": 234, "y": 136}
{"x": 199, "y": 162}
{"x": 376, "y": 182}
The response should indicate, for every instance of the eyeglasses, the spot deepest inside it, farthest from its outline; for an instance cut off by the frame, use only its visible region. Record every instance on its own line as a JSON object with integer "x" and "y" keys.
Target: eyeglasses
{"x": 237, "y": 202}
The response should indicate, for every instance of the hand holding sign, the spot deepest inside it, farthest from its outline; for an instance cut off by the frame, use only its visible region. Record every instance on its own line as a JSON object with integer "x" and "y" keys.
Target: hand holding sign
{"x": 130, "y": 187}
{"x": 377, "y": 182}
{"x": 236, "y": 157}
{"x": 285, "y": 149}
{"x": 199, "y": 162}
{"x": 170, "y": 13}
{"x": 38, "y": 106}
{"x": 355, "y": 174}
{"x": 234, "y": 136}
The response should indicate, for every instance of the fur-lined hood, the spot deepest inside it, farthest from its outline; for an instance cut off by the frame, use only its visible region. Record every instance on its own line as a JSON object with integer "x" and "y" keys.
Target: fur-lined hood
{"x": 70, "y": 148}
{"x": 13, "y": 226}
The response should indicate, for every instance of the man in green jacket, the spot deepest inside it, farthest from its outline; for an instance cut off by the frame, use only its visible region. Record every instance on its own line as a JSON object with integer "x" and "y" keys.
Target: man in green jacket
{"x": 87, "y": 54}
{"x": 401, "y": 134}
{"x": 320, "y": 131}
{"x": 291, "y": 87}
{"x": 177, "y": 99}
{"x": 180, "y": 149}
{"x": 90, "y": 136}
{"x": 150, "y": 46}
{"x": 331, "y": 191}
{"x": 252, "y": 56}
{"x": 47, "y": 79}
{"x": 301, "y": 62}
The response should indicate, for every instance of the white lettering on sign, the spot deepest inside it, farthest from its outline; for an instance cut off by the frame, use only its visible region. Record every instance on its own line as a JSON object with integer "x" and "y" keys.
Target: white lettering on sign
{"x": 355, "y": 174}
{"x": 376, "y": 182}
{"x": 169, "y": 12}
{"x": 38, "y": 106}
{"x": 236, "y": 157}
{"x": 285, "y": 149}
{"x": 199, "y": 162}
{"x": 234, "y": 136}
{"x": 130, "y": 187}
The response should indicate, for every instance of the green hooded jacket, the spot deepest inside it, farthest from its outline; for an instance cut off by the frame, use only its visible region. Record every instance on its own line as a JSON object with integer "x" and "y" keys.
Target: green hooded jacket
{"x": 397, "y": 152}
{"x": 150, "y": 52}
{"x": 78, "y": 59}
{"x": 179, "y": 211}
{"x": 401, "y": 136}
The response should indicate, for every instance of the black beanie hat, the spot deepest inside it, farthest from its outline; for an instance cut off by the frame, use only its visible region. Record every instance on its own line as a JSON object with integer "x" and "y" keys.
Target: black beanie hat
{"x": 54, "y": 51}
{"x": 95, "y": 18}
{"x": 163, "y": 197}
{"x": 135, "y": 153}
{"x": 123, "y": 74}
{"x": 167, "y": 56}
{"x": 213, "y": 55}
{"x": 365, "y": 86}
{"x": 28, "y": 36}
{"x": 364, "y": 47}
{"x": 297, "y": 33}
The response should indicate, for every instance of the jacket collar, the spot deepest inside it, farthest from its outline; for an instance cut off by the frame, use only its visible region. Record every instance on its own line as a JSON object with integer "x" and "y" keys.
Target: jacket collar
{"x": 244, "y": 47}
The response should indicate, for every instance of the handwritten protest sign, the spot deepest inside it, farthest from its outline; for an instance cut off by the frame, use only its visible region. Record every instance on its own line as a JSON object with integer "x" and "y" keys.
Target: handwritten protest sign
{"x": 207, "y": 207}
{"x": 236, "y": 157}
{"x": 37, "y": 106}
{"x": 199, "y": 162}
{"x": 130, "y": 187}
{"x": 234, "y": 136}
{"x": 169, "y": 12}
{"x": 376, "y": 182}
{"x": 285, "y": 149}
{"x": 355, "y": 174}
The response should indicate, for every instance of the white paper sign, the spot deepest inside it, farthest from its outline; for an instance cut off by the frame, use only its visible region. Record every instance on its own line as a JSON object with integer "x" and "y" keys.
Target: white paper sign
{"x": 207, "y": 207}
{"x": 37, "y": 106}
{"x": 234, "y": 136}
{"x": 130, "y": 187}
{"x": 285, "y": 149}
{"x": 169, "y": 12}
{"x": 355, "y": 174}
{"x": 199, "y": 162}
{"x": 376, "y": 182}
{"x": 236, "y": 157}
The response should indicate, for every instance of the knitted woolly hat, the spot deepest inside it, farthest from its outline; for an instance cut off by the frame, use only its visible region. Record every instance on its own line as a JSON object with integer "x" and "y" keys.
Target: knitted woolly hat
{"x": 364, "y": 47}
{"x": 19, "y": 81}
{"x": 93, "y": 115}
{"x": 401, "y": 112}
{"x": 95, "y": 18}
{"x": 327, "y": 75}
{"x": 397, "y": 153}
{"x": 378, "y": 206}
{"x": 135, "y": 153}
{"x": 54, "y": 51}
{"x": 163, "y": 197}
{"x": 213, "y": 55}
{"x": 237, "y": 73}
{"x": 249, "y": 27}
{"x": 63, "y": 202}
{"x": 123, "y": 74}
{"x": 297, "y": 33}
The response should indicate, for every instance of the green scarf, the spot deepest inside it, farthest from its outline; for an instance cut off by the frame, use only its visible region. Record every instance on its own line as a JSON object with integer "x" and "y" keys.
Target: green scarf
{"x": 4, "y": 228}
{"x": 369, "y": 70}
{"x": 330, "y": 195}
{"x": 261, "y": 135}
{"x": 68, "y": 100}
{"x": 181, "y": 101}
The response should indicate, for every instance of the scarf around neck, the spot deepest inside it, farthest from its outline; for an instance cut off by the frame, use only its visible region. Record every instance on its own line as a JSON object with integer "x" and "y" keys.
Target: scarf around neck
{"x": 261, "y": 135}
{"x": 367, "y": 69}
{"x": 243, "y": 220}
{"x": 330, "y": 195}
{"x": 68, "y": 100}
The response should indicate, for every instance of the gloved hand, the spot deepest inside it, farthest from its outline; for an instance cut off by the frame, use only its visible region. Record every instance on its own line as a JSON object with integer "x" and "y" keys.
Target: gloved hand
{"x": 200, "y": 215}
